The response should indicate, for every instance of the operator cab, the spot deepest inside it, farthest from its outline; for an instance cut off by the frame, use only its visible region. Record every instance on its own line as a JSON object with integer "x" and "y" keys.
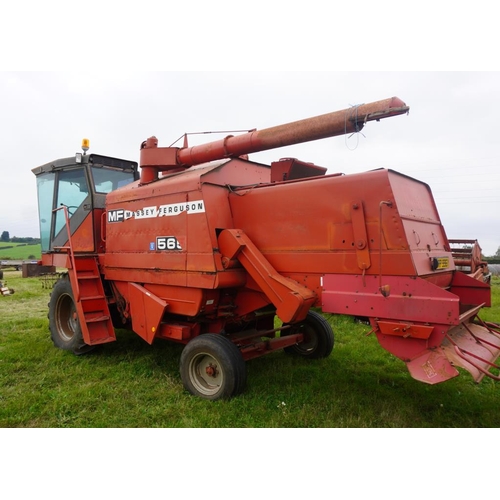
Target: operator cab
{"x": 80, "y": 184}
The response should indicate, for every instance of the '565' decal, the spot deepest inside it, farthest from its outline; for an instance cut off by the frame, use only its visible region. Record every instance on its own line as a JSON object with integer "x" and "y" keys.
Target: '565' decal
{"x": 166, "y": 243}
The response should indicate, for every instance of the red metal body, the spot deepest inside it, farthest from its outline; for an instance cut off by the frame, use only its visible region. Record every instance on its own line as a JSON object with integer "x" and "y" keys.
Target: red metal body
{"x": 222, "y": 244}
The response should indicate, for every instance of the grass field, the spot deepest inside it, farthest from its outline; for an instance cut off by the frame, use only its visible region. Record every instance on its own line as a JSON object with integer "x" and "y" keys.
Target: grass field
{"x": 19, "y": 251}
{"x": 130, "y": 384}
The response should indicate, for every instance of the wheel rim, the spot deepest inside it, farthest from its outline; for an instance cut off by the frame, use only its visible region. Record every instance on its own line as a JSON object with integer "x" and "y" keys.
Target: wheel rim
{"x": 206, "y": 374}
{"x": 310, "y": 342}
{"x": 66, "y": 317}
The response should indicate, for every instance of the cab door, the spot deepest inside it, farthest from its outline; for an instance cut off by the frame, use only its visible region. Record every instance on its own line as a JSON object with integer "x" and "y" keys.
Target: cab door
{"x": 72, "y": 192}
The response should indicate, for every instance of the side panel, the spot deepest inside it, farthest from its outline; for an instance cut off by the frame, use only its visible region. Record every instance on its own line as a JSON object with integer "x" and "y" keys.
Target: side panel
{"x": 137, "y": 233}
{"x": 82, "y": 239}
{"x": 166, "y": 232}
{"x": 146, "y": 311}
{"x": 378, "y": 222}
{"x": 425, "y": 235}
{"x": 407, "y": 299}
{"x": 472, "y": 292}
{"x": 307, "y": 226}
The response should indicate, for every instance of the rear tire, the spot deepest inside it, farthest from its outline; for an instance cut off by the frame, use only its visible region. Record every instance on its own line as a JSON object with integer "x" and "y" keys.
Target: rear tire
{"x": 318, "y": 337}
{"x": 212, "y": 367}
{"x": 64, "y": 324}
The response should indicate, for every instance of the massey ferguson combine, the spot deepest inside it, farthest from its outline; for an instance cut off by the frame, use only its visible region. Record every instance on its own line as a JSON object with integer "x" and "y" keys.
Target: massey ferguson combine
{"x": 207, "y": 248}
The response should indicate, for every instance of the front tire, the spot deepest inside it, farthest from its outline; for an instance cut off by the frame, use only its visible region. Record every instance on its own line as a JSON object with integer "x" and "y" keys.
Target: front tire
{"x": 318, "y": 337}
{"x": 65, "y": 329}
{"x": 212, "y": 367}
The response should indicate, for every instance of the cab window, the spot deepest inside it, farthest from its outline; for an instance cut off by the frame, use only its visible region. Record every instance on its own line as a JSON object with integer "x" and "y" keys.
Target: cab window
{"x": 107, "y": 180}
{"x": 72, "y": 190}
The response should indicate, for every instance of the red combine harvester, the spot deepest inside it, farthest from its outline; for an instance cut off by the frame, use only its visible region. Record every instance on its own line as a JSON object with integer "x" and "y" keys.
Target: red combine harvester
{"x": 206, "y": 248}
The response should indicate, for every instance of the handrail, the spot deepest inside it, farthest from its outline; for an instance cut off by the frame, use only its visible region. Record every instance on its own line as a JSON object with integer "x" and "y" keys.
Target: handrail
{"x": 76, "y": 287}
{"x": 103, "y": 226}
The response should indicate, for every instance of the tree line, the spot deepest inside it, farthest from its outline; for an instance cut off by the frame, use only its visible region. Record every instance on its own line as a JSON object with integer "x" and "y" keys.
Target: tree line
{"x": 5, "y": 237}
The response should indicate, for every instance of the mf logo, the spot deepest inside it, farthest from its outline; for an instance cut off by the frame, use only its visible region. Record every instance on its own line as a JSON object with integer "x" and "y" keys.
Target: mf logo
{"x": 167, "y": 243}
{"x": 116, "y": 215}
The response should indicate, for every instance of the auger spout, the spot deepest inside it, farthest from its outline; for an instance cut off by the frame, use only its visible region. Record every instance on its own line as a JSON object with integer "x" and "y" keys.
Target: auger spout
{"x": 154, "y": 159}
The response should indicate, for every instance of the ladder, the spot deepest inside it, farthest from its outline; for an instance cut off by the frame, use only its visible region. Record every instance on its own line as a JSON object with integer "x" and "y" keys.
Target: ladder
{"x": 90, "y": 301}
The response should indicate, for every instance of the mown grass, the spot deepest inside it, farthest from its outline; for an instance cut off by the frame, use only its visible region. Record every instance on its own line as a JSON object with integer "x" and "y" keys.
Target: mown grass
{"x": 130, "y": 384}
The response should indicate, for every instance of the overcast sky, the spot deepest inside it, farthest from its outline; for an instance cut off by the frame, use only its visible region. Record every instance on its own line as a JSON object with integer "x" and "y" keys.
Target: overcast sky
{"x": 112, "y": 87}
{"x": 449, "y": 139}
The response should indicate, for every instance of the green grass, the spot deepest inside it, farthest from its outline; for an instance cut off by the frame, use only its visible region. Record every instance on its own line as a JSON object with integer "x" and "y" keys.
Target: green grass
{"x": 130, "y": 384}
{"x": 19, "y": 251}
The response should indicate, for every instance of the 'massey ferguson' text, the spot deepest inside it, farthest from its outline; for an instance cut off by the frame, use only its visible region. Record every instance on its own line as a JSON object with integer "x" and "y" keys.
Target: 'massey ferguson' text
{"x": 189, "y": 207}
